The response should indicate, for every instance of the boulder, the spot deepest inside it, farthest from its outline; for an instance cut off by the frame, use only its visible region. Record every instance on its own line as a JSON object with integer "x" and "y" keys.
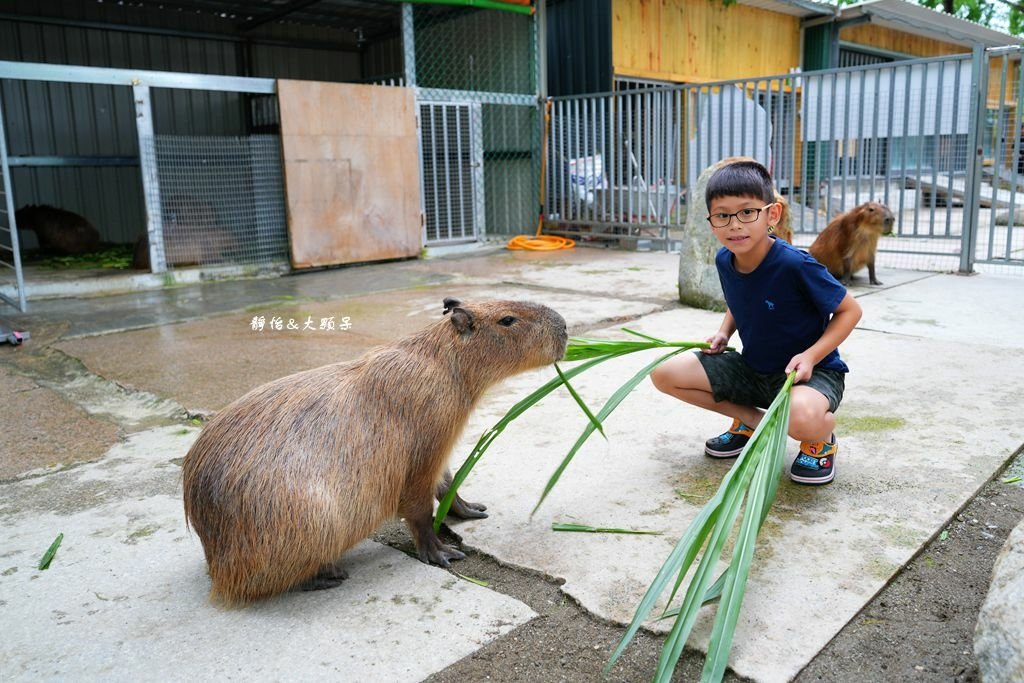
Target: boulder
{"x": 698, "y": 279}
{"x": 998, "y": 644}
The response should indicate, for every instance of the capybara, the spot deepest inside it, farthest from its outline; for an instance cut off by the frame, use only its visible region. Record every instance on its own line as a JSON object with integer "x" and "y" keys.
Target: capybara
{"x": 284, "y": 480}
{"x": 60, "y": 232}
{"x": 783, "y": 230}
{"x": 850, "y": 240}
{"x": 192, "y": 235}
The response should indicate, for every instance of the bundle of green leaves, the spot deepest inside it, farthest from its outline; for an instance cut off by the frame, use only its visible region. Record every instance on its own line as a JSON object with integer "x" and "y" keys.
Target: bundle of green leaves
{"x": 750, "y": 486}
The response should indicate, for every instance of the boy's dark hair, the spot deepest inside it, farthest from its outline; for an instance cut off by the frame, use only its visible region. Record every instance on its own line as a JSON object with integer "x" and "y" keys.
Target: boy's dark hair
{"x": 740, "y": 179}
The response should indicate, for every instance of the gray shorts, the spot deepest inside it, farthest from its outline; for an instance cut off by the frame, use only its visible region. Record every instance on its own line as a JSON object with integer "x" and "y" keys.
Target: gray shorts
{"x": 733, "y": 380}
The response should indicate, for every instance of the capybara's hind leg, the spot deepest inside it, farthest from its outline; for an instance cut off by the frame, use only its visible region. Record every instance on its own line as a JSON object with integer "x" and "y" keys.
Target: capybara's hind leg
{"x": 329, "y": 576}
{"x": 460, "y": 508}
{"x": 430, "y": 548}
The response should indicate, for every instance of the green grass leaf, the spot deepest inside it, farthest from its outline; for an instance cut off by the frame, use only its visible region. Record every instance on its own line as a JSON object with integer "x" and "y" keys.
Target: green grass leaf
{"x": 50, "y": 552}
{"x": 750, "y": 485}
{"x": 488, "y": 437}
{"x": 584, "y": 528}
{"x": 620, "y": 394}
{"x": 579, "y": 401}
{"x": 479, "y": 582}
{"x": 594, "y": 351}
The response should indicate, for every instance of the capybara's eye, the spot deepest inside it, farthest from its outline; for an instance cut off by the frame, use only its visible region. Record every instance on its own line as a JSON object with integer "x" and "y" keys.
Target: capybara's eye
{"x": 507, "y": 321}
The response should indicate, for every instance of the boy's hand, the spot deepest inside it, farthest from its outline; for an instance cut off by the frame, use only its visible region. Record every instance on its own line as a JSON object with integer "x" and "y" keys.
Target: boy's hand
{"x": 804, "y": 364}
{"x": 717, "y": 343}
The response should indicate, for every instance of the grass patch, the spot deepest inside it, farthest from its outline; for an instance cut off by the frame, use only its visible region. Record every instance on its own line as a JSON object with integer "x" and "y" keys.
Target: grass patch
{"x": 869, "y": 423}
{"x": 117, "y": 257}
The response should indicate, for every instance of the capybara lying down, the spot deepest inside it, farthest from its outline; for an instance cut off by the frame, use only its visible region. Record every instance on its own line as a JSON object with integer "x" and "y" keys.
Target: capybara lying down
{"x": 850, "y": 240}
{"x": 287, "y": 478}
{"x": 60, "y": 232}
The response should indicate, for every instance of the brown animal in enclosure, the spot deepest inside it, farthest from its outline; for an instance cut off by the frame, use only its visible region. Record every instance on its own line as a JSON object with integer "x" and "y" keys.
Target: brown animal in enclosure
{"x": 60, "y": 232}
{"x": 850, "y": 241}
{"x": 783, "y": 230}
{"x": 287, "y": 478}
{"x": 192, "y": 235}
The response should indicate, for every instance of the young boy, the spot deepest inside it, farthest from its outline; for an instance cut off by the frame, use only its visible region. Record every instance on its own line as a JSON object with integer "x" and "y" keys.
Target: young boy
{"x": 791, "y": 315}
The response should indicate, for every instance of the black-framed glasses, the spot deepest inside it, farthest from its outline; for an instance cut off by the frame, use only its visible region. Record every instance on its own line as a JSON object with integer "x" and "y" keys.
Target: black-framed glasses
{"x": 722, "y": 219}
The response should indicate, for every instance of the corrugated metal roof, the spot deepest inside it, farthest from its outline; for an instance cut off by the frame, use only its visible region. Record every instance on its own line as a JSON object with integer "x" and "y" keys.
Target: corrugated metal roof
{"x": 923, "y": 21}
{"x": 371, "y": 18}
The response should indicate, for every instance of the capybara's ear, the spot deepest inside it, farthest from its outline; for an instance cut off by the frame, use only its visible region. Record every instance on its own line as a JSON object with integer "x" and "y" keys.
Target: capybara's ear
{"x": 449, "y": 304}
{"x": 462, "y": 320}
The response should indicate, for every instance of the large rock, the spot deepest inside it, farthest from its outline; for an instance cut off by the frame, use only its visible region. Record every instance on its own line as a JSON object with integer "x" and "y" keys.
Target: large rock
{"x": 998, "y": 644}
{"x": 698, "y": 279}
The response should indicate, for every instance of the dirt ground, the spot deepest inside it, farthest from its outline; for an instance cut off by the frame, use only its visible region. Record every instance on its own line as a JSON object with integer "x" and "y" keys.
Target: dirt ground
{"x": 919, "y": 627}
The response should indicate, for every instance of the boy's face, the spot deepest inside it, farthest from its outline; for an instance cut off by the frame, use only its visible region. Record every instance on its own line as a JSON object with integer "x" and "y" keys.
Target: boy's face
{"x": 743, "y": 238}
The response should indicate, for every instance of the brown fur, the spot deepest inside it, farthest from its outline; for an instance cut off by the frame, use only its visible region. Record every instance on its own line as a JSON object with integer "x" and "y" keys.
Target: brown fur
{"x": 287, "y": 478}
{"x": 850, "y": 241}
{"x": 60, "y": 232}
{"x": 784, "y": 228}
{"x": 192, "y": 235}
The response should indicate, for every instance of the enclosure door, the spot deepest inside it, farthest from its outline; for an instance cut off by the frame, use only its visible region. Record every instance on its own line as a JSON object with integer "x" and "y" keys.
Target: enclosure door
{"x": 452, "y": 158}
{"x": 10, "y": 255}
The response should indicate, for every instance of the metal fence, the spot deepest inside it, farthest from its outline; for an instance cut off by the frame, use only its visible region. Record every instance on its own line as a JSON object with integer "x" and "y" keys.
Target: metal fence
{"x": 205, "y": 198}
{"x": 221, "y": 198}
{"x": 624, "y": 164}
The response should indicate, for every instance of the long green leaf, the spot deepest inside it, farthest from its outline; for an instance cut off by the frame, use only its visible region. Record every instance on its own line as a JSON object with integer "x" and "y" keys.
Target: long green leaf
{"x": 754, "y": 477}
{"x": 693, "y": 598}
{"x": 692, "y": 539}
{"x": 585, "y": 528}
{"x": 644, "y": 336}
{"x": 579, "y": 401}
{"x": 493, "y": 432}
{"x": 608, "y": 407}
{"x": 44, "y": 563}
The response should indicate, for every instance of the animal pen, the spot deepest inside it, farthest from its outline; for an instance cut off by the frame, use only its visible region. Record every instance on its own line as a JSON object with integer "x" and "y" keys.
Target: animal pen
{"x": 190, "y": 166}
{"x": 938, "y": 140}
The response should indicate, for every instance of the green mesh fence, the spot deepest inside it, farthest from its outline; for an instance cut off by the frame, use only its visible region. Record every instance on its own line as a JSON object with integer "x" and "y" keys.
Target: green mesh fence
{"x": 459, "y": 48}
{"x": 476, "y": 76}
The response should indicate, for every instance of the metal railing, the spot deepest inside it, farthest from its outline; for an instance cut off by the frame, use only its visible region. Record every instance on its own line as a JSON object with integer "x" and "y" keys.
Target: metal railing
{"x": 907, "y": 134}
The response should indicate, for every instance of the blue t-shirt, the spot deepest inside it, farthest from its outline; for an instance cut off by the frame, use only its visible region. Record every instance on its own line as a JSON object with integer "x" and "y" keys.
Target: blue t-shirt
{"x": 782, "y": 308}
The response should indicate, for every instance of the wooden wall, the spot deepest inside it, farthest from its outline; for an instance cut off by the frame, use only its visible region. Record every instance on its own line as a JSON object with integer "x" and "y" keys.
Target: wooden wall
{"x": 881, "y": 38}
{"x": 352, "y": 174}
{"x": 695, "y": 41}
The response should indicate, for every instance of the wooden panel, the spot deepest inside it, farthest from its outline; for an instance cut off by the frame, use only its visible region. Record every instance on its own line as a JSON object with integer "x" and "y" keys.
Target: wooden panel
{"x": 899, "y": 42}
{"x": 696, "y": 41}
{"x": 351, "y": 170}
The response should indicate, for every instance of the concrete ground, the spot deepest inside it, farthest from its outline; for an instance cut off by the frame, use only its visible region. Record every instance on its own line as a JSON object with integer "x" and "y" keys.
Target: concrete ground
{"x": 107, "y": 396}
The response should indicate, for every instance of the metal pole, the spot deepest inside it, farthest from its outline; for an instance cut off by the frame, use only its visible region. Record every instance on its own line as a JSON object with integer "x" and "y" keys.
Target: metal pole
{"x": 979, "y": 88}
{"x": 150, "y": 180}
{"x": 408, "y": 45}
{"x": 19, "y": 278}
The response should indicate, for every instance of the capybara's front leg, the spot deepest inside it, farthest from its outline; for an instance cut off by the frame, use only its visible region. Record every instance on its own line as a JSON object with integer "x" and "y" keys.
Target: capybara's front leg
{"x": 871, "y": 273}
{"x": 420, "y": 519}
{"x": 460, "y": 508}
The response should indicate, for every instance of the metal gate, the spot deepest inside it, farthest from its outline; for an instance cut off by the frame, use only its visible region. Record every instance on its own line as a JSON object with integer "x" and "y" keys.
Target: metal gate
{"x": 10, "y": 254}
{"x": 210, "y": 193}
{"x": 940, "y": 141}
{"x": 452, "y": 172}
